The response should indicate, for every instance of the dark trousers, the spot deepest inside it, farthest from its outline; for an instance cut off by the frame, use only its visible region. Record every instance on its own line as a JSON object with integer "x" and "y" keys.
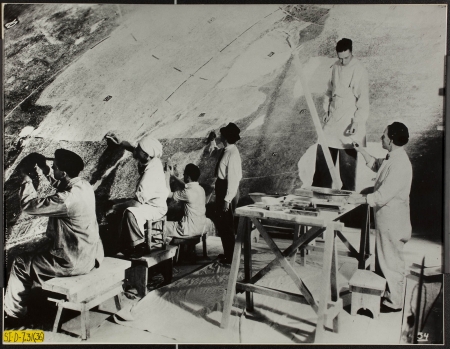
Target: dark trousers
{"x": 347, "y": 168}
{"x": 130, "y": 234}
{"x": 225, "y": 222}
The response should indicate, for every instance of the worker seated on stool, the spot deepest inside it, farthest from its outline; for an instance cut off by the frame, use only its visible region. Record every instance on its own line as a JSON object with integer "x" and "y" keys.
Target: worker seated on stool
{"x": 150, "y": 198}
{"x": 193, "y": 199}
{"x": 72, "y": 228}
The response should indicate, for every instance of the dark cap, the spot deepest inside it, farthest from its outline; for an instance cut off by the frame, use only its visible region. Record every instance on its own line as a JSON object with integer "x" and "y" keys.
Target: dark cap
{"x": 231, "y": 132}
{"x": 69, "y": 162}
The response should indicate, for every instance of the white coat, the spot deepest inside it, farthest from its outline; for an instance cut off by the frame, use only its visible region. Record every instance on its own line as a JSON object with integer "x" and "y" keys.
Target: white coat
{"x": 346, "y": 99}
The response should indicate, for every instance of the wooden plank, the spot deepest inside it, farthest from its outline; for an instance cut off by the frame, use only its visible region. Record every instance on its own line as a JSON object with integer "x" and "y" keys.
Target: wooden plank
{"x": 337, "y": 184}
{"x": 78, "y": 288}
{"x": 256, "y": 212}
{"x": 267, "y": 291}
{"x": 286, "y": 266}
{"x": 249, "y": 212}
{"x": 232, "y": 278}
{"x": 339, "y": 252}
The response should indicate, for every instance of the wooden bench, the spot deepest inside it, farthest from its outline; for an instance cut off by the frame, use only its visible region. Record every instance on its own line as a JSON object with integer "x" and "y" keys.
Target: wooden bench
{"x": 84, "y": 292}
{"x": 367, "y": 289}
{"x": 137, "y": 275}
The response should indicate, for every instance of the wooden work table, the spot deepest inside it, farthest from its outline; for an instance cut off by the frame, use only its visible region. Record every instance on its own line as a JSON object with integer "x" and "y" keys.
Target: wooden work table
{"x": 306, "y": 229}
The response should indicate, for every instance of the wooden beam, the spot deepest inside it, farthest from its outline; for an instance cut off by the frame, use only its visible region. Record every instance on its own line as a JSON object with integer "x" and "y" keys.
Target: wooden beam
{"x": 267, "y": 291}
{"x": 337, "y": 184}
{"x": 305, "y": 239}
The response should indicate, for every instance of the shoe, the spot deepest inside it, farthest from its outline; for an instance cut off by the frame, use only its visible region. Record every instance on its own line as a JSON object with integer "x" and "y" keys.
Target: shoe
{"x": 225, "y": 261}
{"x": 139, "y": 251}
{"x": 386, "y": 309}
{"x": 221, "y": 256}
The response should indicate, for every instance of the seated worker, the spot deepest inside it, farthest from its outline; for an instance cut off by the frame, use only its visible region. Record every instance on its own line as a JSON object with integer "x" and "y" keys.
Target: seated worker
{"x": 72, "y": 227}
{"x": 193, "y": 199}
{"x": 150, "y": 198}
{"x": 390, "y": 201}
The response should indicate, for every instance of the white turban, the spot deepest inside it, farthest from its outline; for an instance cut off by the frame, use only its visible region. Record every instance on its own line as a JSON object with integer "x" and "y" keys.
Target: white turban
{"x": 151, "y": 146}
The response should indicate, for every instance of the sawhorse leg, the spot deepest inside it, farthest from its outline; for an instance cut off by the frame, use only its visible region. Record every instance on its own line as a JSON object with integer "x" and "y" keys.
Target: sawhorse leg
{"x": 364, "y": 246}
{"x": 85, "y": 330}
{"x": 329, "y": 285}
{"x": 248, "y": 262}
{"x": 60, "y": 305}
{"x": 231, "y": 288}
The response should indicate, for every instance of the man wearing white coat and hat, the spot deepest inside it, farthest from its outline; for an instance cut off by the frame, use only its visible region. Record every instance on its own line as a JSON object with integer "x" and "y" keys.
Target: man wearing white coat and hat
{"x": 150, "y": 198}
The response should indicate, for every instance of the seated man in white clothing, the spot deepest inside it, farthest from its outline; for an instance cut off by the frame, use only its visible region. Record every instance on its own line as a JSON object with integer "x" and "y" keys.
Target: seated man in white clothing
{"x": 193, "y": 199}
{"x": 150, "y": 197}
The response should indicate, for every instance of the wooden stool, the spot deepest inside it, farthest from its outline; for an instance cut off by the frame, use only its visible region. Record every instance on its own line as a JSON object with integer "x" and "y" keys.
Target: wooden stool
{"x": 84, "y": 292}
{"x": 189, "y": 242}
{"x": 155, "y": 234}
{"x": 367, "y": 288}
{"x": 137, "y": 275}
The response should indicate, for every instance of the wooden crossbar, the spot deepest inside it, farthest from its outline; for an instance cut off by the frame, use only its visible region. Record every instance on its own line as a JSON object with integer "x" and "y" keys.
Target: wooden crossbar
{"x": 267, "y": 291}
{"x": 286, "y": 266}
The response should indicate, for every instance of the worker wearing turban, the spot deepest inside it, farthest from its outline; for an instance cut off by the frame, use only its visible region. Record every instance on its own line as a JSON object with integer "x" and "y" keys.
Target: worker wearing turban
{"x": 150, "y": 198}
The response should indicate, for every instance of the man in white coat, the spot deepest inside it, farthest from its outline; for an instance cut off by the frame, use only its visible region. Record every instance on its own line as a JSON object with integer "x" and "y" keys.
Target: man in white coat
{"x": 149, "y": 202}
{"x": 390, "y": 201}
{"x": 346, "y": 105}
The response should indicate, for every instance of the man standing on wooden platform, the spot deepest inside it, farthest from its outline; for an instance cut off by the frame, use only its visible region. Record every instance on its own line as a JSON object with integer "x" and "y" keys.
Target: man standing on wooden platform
{"x": 346, "y": 104}
{"x": 150, "y": 196}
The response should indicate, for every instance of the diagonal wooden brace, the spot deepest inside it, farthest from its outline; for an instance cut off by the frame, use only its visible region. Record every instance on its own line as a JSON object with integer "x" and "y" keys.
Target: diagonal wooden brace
{"x": 286, "y": 266}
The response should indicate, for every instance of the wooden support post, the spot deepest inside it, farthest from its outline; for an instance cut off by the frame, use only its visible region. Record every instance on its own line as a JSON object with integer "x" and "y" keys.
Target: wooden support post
{"x": 205, "y": 250}
{"x": 334, "y": 283}
{"x": 337, "y": 184}
{"x": 248, "y": 262}
{"x": 297, "y": 228}
{"x": 329, "y": 282}
{"x": 303, "y": 248}
{"x": 363, "y": 241}
{"x": 58, "y": 316}
{"x": 85, "y": 331}
{"x": 231, "y": 288}
{"x": 325, "y": 294}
